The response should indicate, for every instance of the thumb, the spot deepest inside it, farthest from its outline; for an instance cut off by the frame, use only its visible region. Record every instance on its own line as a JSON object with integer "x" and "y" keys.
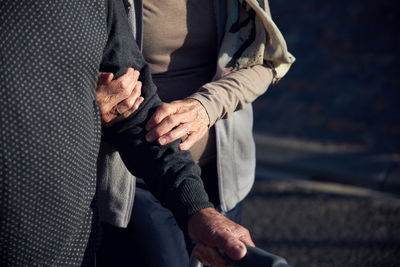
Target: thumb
{"x": 231, "y": 246}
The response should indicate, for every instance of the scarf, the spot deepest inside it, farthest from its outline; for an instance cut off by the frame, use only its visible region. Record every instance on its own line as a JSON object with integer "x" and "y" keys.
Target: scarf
{"x": 252, "y": 38}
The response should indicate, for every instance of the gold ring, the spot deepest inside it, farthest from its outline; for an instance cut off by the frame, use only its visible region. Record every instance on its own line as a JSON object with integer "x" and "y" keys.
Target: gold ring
{"x": 116, "y": 111}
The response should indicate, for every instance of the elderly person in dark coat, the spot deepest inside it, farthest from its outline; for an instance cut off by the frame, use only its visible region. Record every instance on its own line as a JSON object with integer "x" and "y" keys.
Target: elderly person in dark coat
{"x": 51, "y": 53}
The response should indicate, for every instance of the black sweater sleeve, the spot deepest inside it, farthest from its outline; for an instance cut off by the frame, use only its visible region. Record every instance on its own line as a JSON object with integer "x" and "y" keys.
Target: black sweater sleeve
{"x": 171, "y": 174}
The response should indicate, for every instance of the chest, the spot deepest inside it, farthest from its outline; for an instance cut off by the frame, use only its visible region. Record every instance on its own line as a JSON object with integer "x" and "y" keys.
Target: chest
{"x": 177, "y": 23}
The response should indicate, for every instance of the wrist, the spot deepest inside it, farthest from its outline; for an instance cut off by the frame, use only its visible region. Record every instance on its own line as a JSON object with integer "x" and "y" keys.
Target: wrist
{"x": 202, "y": 109}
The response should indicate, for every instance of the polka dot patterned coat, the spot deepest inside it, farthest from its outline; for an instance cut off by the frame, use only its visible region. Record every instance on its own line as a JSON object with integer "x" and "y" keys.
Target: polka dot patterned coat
{"x": 50, "y": 54}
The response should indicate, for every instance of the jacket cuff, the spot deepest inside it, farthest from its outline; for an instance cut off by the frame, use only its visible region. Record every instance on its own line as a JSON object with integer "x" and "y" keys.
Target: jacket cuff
{"x": 192, "y": 197}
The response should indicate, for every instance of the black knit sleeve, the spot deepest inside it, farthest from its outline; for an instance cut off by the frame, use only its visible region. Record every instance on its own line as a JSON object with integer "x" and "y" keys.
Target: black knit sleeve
{"x": 171, "y": 174}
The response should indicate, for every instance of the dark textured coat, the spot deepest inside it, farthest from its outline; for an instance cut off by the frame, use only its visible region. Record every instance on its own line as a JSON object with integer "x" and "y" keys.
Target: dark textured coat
{"x": 50, "y": 54}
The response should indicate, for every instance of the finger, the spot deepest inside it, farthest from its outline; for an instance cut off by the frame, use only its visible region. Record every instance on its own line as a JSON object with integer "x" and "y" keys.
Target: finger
{"x": 174, "y": 134}
{"x": 137, "y": 104}
{"x": 128, "y": 103}
{"x": 116, "y": 91}
{"x": 130, "y": 78}
{"x": 200, "y": 257}
{"x": 126, "y": 114}
{"x": 121, "y": 89}
{"x": 209, "y": 255}
{"x": 166, "y": 125}
{"x": 246, "y": 238}
{"x": 106, "y": 118}
{"x": 126, "y": 82}
{"x": 129, "y": 112}
{"x": 230, "y": 244}
{"x": 190, "y": 140}
{"x": 105, "y": 77}
{"x": 161, "y": 113}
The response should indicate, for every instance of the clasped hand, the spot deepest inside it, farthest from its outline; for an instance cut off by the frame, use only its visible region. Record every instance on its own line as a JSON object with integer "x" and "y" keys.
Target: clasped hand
{"x": 213, "y": 233}
{"x": 119, "y": 98}
{"x": 181, "y": 118}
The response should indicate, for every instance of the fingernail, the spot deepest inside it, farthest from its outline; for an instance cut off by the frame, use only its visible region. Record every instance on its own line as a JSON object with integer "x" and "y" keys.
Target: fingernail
{"x": 162, "y": 141}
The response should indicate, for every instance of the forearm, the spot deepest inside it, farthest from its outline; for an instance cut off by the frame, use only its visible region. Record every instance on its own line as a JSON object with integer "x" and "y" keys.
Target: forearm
{"x": 171, "y": 174}
{"x": 233, "y": 91}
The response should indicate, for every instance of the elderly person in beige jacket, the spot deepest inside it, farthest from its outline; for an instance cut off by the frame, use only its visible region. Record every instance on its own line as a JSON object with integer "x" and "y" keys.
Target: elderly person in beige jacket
{"x": 207, "y": 78}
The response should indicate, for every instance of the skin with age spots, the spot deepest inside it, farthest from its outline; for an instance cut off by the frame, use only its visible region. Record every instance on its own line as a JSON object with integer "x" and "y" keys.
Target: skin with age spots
{"x": 176, "y": 120}
{"x": 222, "y": 233}
{"x": 118, "y": 98}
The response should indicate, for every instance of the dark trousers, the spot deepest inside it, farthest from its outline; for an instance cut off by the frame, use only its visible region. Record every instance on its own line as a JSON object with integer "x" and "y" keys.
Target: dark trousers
{"x": 152, "y": 239}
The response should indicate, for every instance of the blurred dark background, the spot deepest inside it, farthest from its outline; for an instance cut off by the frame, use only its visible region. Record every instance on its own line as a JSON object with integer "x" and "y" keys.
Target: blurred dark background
{"x": 328, "y": 138}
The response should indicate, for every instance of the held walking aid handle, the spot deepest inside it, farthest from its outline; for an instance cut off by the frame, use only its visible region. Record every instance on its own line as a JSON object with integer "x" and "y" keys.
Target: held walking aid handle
{"x": 255, "y": 257}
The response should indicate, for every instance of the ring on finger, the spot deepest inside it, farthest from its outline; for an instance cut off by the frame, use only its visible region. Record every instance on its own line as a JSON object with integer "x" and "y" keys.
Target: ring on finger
{"x": 116, "y": 111}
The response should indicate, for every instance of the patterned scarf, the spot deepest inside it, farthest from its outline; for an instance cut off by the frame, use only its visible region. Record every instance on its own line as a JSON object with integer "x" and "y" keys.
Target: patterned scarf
{"x": 252, "y": 38}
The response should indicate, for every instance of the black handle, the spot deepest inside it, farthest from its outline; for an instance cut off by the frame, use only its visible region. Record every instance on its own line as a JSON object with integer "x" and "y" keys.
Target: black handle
{"x": 256, "y": 257}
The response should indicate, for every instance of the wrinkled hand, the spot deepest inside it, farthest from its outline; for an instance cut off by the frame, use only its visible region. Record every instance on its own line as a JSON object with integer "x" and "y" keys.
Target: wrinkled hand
{"x": 213, "y": 232}
{"x": 119, "y": 98}
{"x": 177, "y": 119}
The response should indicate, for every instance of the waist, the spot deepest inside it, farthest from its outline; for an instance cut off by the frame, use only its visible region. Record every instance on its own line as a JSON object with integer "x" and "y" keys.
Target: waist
{"x": 204, "y": 150}
{"x": 178, "y": 85}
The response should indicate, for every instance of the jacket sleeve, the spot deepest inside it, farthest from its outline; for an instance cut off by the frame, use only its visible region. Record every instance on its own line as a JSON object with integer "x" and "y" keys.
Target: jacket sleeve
{"x": 235, "y": 90}
{"x": 171, "y": 174}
